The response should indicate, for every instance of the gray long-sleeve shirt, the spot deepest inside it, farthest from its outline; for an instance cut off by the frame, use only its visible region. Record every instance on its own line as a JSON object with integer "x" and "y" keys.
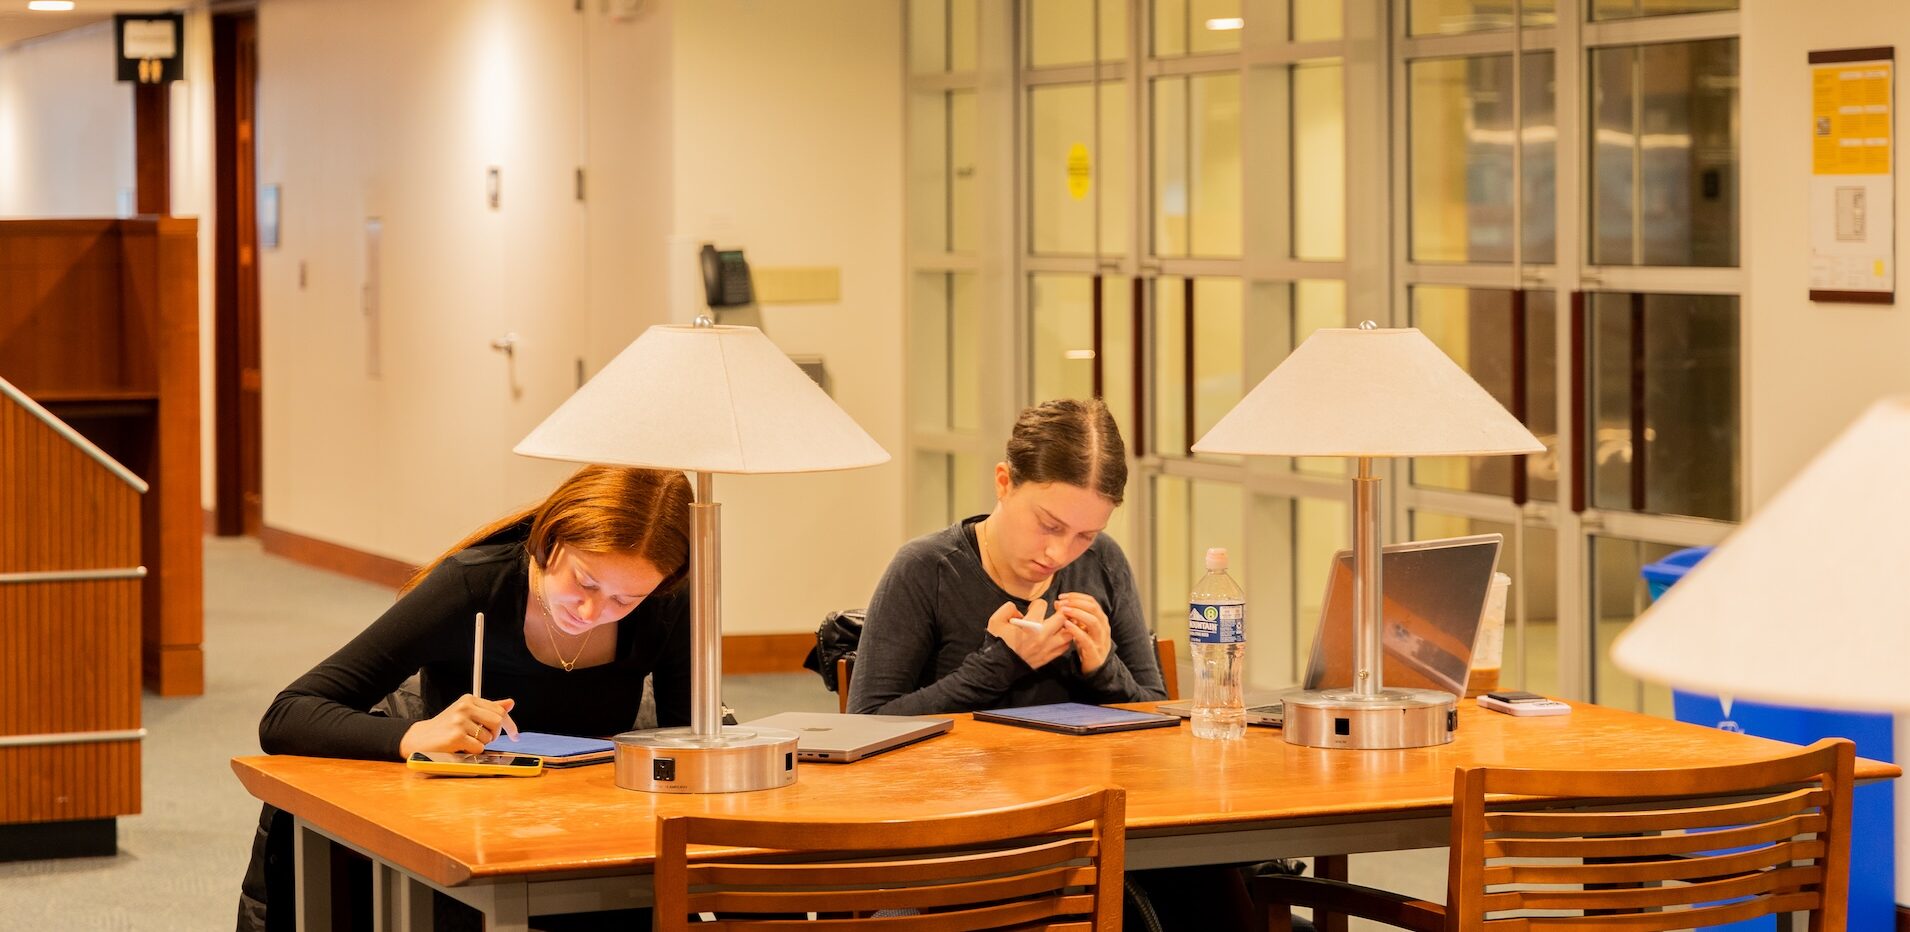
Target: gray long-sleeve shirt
{"x": 925, "y": 645}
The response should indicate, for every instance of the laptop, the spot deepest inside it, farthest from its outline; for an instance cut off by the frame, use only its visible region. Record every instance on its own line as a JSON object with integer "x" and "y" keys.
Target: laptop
{"x": 833, "y": 738}
{"x": 1434, "y": 594}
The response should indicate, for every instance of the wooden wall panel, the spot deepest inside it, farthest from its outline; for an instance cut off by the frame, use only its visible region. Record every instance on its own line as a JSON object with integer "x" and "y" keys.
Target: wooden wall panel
{"x": 61, "y": 281}
{"x": 99, "y": 321}
{"x": 69, "y": 649}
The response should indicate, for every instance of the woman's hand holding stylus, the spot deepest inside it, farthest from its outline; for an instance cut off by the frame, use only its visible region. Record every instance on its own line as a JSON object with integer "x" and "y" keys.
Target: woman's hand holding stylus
{"x": 467, "y": 725}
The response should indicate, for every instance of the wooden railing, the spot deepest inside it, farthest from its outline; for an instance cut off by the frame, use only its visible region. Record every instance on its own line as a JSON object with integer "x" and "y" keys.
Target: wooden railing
{"x": 99, "y": 324}
{"x": 69, "y": 622}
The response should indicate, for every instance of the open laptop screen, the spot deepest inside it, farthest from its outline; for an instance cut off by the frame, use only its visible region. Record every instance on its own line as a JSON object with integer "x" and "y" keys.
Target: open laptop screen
{"x": 1433, "y": 593}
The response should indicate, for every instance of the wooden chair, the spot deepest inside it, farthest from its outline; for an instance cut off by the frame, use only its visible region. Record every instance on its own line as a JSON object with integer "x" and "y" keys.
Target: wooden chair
{"x": 1641, "y": 857}
{"x": 1029, "y": 867}
{"x": 1163, "y": 653}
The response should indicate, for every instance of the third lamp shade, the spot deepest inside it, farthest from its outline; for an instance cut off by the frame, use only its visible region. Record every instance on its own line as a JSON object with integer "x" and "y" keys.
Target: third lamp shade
{"x": 1369, "y": 393}
{"x": 1805, "y": 603}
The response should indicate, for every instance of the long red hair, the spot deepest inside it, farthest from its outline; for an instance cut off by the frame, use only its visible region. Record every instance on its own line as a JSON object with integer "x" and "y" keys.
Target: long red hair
{"x": 603, "y": 509}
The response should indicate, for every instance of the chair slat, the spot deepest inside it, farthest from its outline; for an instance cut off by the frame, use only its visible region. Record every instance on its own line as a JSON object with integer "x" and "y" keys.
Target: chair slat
{"x": 923, "y": 896}
{"x": 1781, "y": 880}
{"x": 1648, "y": 845}
{"x": 1667, "y": 921}
{"x": 1675, "y": 868}
{"x": 938, "y": 832}
{"x": 1030, "y": 914}
{"x": 972, "y": 864}
{"x": 1658, "y": 820}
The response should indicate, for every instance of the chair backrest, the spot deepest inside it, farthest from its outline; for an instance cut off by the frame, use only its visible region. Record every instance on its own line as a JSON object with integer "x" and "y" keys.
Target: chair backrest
{"x": 1170, "y": 667}
{"x": 1163, "y": 654}
{"x": 1781, "y": 844}
{"x": 1032, "y": 866}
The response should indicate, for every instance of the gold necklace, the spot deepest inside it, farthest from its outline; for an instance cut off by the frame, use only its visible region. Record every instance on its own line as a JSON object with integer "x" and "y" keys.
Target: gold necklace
{"x": 550, "y": 631}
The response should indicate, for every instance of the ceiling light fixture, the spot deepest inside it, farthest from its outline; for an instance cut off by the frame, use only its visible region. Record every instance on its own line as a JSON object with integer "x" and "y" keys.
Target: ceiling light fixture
{"x": 1224, "y": 23}
{"x": 50, "y": 6}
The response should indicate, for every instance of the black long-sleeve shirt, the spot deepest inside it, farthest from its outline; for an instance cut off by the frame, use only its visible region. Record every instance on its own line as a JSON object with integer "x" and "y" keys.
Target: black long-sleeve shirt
{"x": 925, "y": 645}
{"x": 325, "y": 712}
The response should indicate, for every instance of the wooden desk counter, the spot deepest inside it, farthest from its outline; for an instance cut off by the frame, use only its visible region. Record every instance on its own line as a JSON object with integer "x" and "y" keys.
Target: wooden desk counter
{"x": 1188, "y": 801}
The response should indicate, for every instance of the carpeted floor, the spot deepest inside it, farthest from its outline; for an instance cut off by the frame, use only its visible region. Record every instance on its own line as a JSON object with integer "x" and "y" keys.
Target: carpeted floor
{"x": 267, "y": 621}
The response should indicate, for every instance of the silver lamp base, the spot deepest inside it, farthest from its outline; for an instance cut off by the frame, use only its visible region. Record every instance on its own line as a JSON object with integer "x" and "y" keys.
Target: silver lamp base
{"x": 1390, "y": 718}
{"x": 676, "y": 760}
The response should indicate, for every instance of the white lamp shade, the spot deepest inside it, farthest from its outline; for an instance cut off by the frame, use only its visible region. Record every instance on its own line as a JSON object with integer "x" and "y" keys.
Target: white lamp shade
{"x": 708, "y": 399}
{"x": 1369, "y": 393}
{"x": 1805, "y": 603}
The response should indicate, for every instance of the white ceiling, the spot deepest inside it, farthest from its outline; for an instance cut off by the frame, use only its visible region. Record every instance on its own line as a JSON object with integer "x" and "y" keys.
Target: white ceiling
{"x": 18, "y": 24}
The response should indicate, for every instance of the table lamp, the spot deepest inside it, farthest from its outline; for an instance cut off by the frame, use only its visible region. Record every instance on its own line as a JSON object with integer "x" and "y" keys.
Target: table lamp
{"x": 705, "y": 399}
{"x": 1803, "y": 604}
{"x": 1363, "y": 394}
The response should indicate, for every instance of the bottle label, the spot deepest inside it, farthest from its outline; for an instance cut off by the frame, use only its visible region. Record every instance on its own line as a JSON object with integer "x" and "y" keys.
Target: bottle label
{"x": 1217, "y": 623}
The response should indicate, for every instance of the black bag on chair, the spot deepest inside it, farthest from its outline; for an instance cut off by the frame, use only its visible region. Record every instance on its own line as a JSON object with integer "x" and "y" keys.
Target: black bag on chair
{"x": 836, "y": 638}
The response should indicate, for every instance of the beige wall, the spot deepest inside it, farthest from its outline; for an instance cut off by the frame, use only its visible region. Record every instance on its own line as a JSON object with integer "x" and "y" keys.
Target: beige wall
{"x": 1810, "y": 368}
{"x": 788, "y": 143}
{"x": 66, "y": 128}
{"x": 744, "y": 123}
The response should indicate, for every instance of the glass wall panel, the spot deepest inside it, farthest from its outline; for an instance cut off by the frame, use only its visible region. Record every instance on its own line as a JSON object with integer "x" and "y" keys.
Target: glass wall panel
{"x": 1665, "y": 370}
{"x": 972, "y": 483}
{"x": 1436, "y": 17}
{"x": 1319, "y": 160}
{"x": 1318, "y": 20}
{"x": 1665, "y": 154}
{"x": 1474, "y": 326}
{"x": 1190, "y": 516}
{"x": 1061, "y": 355}
{"x": 1070, "y": 174}
{"x": 1060, "y": 169}
{"x": 928, "y": 36}
{"x": 930, "y": 505}
{"x": 928, "y": 167}
{"x": 1619, "y": 596}
{"x": 1538, "y": 142}
{"x": 963, "y": 189}
{"x": 1630, "y": 9}
{"x": 944, "y": 351}
{"x": 1321, "y": 528}
{"x": 1183, "y": 27}
{"x": 1062, "y": 32}
{"x": 1190, "y": 400}
{"x": 1460, "y": 159}
{"x": 1196, "y": 184}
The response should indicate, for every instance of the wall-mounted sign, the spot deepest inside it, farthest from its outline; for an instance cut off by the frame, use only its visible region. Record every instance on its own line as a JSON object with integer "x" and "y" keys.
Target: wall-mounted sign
{"x": 149, "y": 47}
{"x": 1853, "y": 198}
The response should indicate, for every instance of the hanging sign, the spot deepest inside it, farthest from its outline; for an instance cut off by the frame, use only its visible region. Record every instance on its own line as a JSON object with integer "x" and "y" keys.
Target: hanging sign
{"x": 1852, "y": 202}
{"x": 150, "y": 47}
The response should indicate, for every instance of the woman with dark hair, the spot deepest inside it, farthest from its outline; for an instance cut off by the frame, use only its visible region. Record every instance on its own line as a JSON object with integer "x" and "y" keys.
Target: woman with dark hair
{"x": 1028, "y": 604}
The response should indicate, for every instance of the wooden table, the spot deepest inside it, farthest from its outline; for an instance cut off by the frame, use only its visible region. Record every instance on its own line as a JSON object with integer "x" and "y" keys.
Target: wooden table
{"x": 572, "y": 840}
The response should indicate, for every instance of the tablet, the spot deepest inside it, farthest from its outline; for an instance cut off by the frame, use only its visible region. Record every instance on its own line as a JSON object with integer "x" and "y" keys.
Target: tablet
{"x": 556, "y": 750}
{"x": 1077, "y": 718}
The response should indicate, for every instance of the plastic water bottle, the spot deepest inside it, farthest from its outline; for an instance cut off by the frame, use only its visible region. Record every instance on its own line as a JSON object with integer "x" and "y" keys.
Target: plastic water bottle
{"x": 1217, "y": 635}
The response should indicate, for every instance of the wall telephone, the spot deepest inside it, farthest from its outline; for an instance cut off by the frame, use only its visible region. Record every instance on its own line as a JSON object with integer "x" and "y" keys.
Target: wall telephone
{"x": 726, "y": 278}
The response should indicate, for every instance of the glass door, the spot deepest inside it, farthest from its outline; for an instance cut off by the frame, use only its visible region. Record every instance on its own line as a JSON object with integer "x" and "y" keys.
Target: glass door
{"x": 1569, "y": 235}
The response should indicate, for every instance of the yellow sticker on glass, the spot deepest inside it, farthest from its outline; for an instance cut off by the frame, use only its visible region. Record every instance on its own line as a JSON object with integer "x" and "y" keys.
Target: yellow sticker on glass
{"x": 1080, "y": 173}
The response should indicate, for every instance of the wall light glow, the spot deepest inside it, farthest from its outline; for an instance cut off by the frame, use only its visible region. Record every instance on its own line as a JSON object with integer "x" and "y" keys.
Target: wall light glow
{"x": 1225, "y": 23}
{"x": 50, "y": 6}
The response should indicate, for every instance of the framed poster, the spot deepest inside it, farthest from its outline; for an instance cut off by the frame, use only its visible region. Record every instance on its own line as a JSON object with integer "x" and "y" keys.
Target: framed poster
{"x": 1852, "y": 193}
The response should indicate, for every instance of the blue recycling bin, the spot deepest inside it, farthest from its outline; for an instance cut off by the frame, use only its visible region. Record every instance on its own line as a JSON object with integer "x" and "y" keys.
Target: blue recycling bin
{"x": 1873, "y": 849}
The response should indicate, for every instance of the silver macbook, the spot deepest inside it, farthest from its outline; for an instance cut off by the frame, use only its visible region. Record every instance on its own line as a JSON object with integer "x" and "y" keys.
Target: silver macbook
{"x": 833, "y": 738}
{"x": 1434, "y": 593}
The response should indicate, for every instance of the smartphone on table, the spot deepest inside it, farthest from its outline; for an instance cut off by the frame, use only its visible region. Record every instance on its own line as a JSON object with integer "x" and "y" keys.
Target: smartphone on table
{"x": 487, "y": 764}
{"x": 1519, "y": 702}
